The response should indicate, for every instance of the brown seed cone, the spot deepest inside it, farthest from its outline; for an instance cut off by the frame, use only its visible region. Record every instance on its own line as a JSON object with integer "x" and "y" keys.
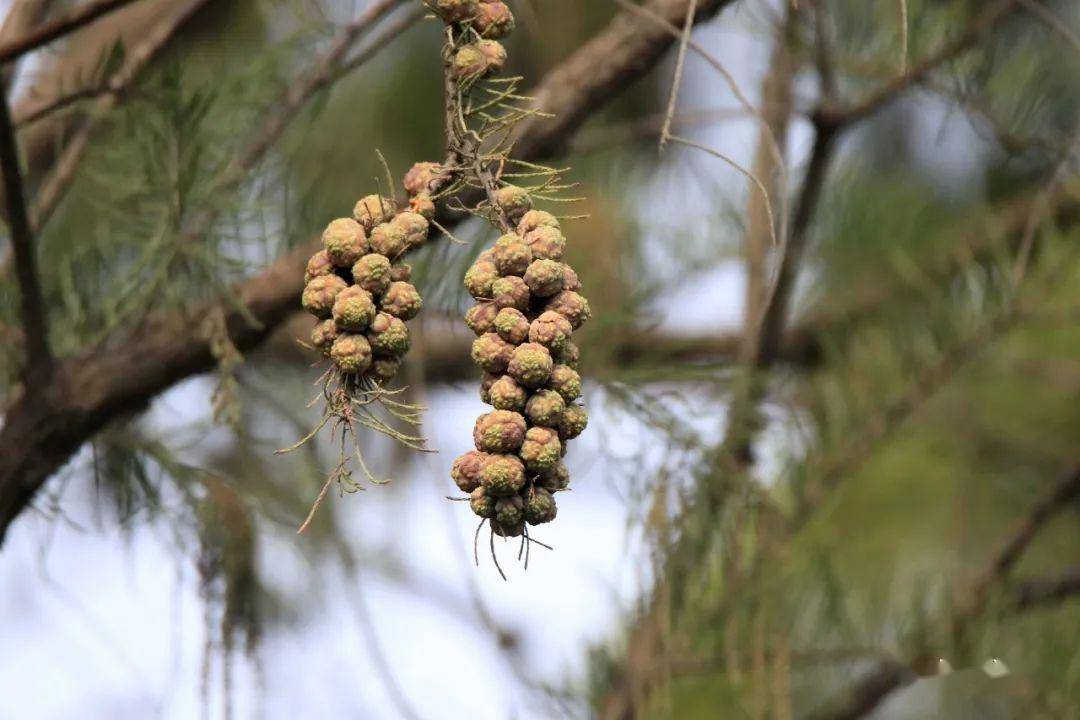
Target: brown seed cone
{"x": 499, "y": 431}
{"x": 492, "y": 353}
{"x": 512, "y": 325}
{"x": 481, "y": 318}
{"x": 511, "y": 291}
{"x": 466, "y": 470}
{"x": 422, "y": 177}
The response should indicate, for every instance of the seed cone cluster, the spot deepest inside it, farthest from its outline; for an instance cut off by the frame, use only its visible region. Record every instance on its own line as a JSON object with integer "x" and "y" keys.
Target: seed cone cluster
{"x": 528, "y": 306}
{"x": 359, "y": 289}
{"x": 489, "y": 20}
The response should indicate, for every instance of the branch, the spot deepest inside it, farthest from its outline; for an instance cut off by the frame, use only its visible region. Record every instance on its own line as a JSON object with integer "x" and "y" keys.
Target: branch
{"x": 327, "y": 68}
{"x": 61, "y": 169}
{"x": 44, "y": 143}
{"x": 886, "y": 678}
{"x": 885, "y": 94}
{"x": 1044, "y": 591}
{"x": 1050, "y": 504}
{"x": 75, "y": 18}
{"x": 444, "y": 354}
{"x": 622, "y": 53}
{"x": 35, "y": 326}
{"x": 868, "y": 692}
{"x": 55, "y": 184}
{"x": 129, "y": 368}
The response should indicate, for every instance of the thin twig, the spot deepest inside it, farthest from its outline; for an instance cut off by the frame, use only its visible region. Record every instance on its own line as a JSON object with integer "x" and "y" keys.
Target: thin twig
{"x": 749, "y": 175}
{"x": 740, "y": 97}
{"x": 74, "y": 19}
{"x": 673, "y": 99}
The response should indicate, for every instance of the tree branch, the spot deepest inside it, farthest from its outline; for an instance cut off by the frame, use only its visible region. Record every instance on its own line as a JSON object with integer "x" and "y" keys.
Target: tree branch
{"x": 1045, "y": 591}
{"x": 35, "y": 326}
{"x": 59, "y": 174}
{"x": 55, "y": 184}
{"x": 45, "y": 143}
{"x": 869, "y": 692}
{"x": 626, "y": 49}
{"x": 891, "y": 90}
{"x": 76, "y": 18}
{"x": 1058, "y": 498}
{"x": 129, "y": 368}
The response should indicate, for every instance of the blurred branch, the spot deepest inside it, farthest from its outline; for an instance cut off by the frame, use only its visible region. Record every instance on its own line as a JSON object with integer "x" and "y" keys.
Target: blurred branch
{"x": 892, "y": 89}
{"x": 1006, "y": 138}
{"x": 1045, "y": 591}
{"x": 56, "y": 183}
{"x": 124, "y": 372}
{"x": 32, "y": 305}
{"x": 329, "y": 67}
{"x": 75, "y": 18}
{"x": 823, "y": 55}
{"x": 60, "y": 173}
{"x": 382, "y": 664}
{"x": 887, "y": 677}
{"x": 1053, "y": 22}
{"x": 777, "y": 100}
{"x": 1057, "y": 499}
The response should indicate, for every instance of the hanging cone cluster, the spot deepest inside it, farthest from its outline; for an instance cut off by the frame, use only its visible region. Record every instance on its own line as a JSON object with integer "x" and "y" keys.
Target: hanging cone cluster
{"x": 528, "y": 305}
{"x": 360, "y": 291}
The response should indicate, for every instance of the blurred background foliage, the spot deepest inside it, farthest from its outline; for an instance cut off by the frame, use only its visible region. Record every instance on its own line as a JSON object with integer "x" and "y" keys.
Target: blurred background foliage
{"x": 936, "y": 402}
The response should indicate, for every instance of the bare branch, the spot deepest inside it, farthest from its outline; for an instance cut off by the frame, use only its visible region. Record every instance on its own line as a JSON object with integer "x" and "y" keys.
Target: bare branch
{"x": 1054, "y": 501}
{"x": 35, "y": 326}
{"x": 892, "y": 89}
{"x": 676, "y": 82}
{"x": 76, "y": 18}
{"x": 1046, "y": 591}
{"x": 746, "y": 173}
